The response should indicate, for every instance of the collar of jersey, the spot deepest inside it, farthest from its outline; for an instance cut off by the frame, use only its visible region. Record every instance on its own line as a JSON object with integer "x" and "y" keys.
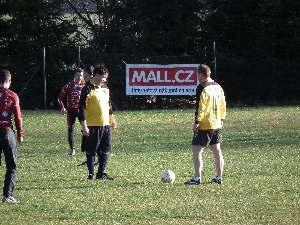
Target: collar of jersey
{"x": 207, "y": 80}
{"x": 94, "y": 84}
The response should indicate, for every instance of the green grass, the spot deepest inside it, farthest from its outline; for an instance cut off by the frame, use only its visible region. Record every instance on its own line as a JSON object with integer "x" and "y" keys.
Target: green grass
{"x": 261, "y": 174}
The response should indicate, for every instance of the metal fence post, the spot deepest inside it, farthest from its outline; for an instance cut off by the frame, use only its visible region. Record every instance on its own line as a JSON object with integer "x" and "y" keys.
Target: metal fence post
{"x": 214, "y": 61}
{"x": 78, "y": 57}
{"x": 44, "y": 75}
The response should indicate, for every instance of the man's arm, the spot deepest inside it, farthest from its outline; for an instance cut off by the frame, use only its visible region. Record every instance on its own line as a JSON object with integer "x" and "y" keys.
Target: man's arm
{"x": 111, "y": 116}
{"x": 18, "y": 120}
{"x": 82, "y": 103}
{"x": 84, "y": 128}
{"x": 198, "y": 102}
{"x": 223, "y": 105}
{"x": 81, "y": 109}
{"x": 112, "y": 121}
{"x": 60, "y": 98}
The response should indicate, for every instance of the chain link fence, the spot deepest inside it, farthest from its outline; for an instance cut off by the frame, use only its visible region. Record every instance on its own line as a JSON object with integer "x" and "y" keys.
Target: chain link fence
{"x": 258, "y": 81}
{"x": 27, "y": 81}
{"x": 246, "y": 81}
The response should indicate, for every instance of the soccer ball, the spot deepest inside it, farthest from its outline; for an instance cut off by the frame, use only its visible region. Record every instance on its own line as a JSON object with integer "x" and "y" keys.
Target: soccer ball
{"x": 167, "y": 176}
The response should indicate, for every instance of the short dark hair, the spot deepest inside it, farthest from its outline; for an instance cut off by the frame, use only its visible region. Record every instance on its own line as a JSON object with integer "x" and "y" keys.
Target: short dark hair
{"x": 78, "y": 70}
{"x": 204, "y": 69}
{"x": 5, "y": 75}
{"x": 101, "y": 70}
{"x": 89, "y": 69}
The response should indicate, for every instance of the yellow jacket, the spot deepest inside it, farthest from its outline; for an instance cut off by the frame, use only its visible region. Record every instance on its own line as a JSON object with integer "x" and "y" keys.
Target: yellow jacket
{"x": 210, "y": 105}
{"x": 94, "y": 105}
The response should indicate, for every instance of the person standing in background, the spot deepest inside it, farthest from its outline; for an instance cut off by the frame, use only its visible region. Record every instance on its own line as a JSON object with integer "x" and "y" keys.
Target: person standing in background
{"x": 72, "y": 91}
{"x": 9, "y": 104}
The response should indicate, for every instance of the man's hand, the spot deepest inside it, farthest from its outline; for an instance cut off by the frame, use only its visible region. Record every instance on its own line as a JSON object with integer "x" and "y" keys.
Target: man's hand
{"x": 113, "y": 124}
{"x": 63, "y": 111}
{"x": 85, "y": 129}
{"x": 20, "y": 139}
{"x": 86, "y": 132}
{"x": 195, "y": 127}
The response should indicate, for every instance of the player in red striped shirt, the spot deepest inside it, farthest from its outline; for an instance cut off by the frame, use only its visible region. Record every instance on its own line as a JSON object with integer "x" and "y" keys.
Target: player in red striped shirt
{"x": 9, "y": 104}
{"x": 72, "y": 91}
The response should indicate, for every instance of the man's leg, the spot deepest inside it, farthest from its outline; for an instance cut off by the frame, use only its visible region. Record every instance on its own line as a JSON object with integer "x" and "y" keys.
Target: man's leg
{"x": 71, "y": 117}
{"x": 71, "y": 135}
{"x": 219, "y": 161}
{"x": 90, "y": 165}
{"x": 102, "y": 159}
{"x": 83, "y": 143}
{"x": 92, "y": 141}
{"x": 200, "y": 140}
{"x": 83, "y": 147}
{"x": 10, "y": 153}
{"x": 197, "y": 159}
{"x": 103, "y": 150}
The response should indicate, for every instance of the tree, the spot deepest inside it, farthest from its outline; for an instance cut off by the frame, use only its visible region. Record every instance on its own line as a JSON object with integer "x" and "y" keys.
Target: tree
{"x": 151, "y": 27}
{"x": 166, "y": 27}
{"x": 266, "y": 29}
{"x": 93, "y": 18}
{"x": 27, "y": 27}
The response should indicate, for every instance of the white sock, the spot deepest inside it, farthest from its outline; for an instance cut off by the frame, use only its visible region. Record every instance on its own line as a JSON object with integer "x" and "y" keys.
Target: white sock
{"x": 196, "y": 178}
{"x": 218, "y": 178}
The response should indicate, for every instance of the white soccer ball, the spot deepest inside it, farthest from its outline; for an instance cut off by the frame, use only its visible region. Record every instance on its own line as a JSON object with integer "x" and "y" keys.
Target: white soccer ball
{"x": 167, "y": 176}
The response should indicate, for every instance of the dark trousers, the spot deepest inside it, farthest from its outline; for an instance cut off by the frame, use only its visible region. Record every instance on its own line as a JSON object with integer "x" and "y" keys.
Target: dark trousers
{"x": 71, "y": 118}
{"x": 9, "y": 147}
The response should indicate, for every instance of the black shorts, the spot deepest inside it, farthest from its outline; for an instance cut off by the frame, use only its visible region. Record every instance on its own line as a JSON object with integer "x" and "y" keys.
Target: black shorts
{"x": 98, "y": 140}
{"x": 207, "y": 137}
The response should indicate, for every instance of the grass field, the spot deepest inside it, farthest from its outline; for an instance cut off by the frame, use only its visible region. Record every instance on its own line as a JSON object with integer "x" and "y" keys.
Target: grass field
{"x": 261, "y": 174}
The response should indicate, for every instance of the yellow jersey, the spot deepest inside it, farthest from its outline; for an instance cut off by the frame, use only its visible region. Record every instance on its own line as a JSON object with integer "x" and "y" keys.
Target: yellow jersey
{"x": 94, "y": 105}
{"x": 210, "y": 105}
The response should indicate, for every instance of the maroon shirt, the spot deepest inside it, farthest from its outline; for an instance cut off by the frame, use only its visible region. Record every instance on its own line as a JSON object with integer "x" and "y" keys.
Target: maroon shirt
{"x": 9, "y": 103}
{"x": 72, "y": 91}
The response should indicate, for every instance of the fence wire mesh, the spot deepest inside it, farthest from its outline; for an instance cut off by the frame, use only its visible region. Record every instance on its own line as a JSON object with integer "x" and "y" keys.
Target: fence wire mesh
{"x": 246, "y": 81}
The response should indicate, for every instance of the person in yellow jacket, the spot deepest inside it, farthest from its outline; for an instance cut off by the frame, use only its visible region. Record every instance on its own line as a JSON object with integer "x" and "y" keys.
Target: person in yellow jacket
{"x": 209, "y": 116}
{"x": 97, "y": 119}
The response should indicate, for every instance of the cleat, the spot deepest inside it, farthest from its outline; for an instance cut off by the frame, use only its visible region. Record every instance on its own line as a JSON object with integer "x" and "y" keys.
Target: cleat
{"x": 72, "y": 152}
{"x": 82, "y": 164}
{"x": 90, "y": 177}
{"x": 85, "y": 162}
{"x": 215, "y": 181}
{"x": 193, "y": 182}
{"x": 9, "y": 199}
{"x": 104, "y": 177}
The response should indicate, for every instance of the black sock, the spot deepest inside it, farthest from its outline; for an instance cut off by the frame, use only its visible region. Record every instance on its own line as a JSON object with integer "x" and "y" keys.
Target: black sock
{"x": 90, "y": 163}
{"x": 102, "y": 159}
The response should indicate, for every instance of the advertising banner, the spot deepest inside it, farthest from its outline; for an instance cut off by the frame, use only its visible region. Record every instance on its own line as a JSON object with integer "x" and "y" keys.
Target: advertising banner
{"x": 154, "y": 79}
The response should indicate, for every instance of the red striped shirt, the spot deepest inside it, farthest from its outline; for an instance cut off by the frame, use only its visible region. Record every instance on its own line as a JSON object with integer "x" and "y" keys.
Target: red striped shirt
{"x": 9, "y": 104}
{"x": 72, "y": 91}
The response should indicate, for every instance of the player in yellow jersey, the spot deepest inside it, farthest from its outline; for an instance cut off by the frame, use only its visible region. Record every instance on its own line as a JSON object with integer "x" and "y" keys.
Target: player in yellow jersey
{"x": 209, "y": 116}
{"x": 95, "y": 114}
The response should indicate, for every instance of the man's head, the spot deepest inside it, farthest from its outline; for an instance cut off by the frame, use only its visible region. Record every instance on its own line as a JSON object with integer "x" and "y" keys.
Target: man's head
{"x": 203, "y": 72}
{"x": 100, "y": 73}
{"x": 5, "y": 78}
{"x": 88, "y": 72}
{"x": 78, "y": 75}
